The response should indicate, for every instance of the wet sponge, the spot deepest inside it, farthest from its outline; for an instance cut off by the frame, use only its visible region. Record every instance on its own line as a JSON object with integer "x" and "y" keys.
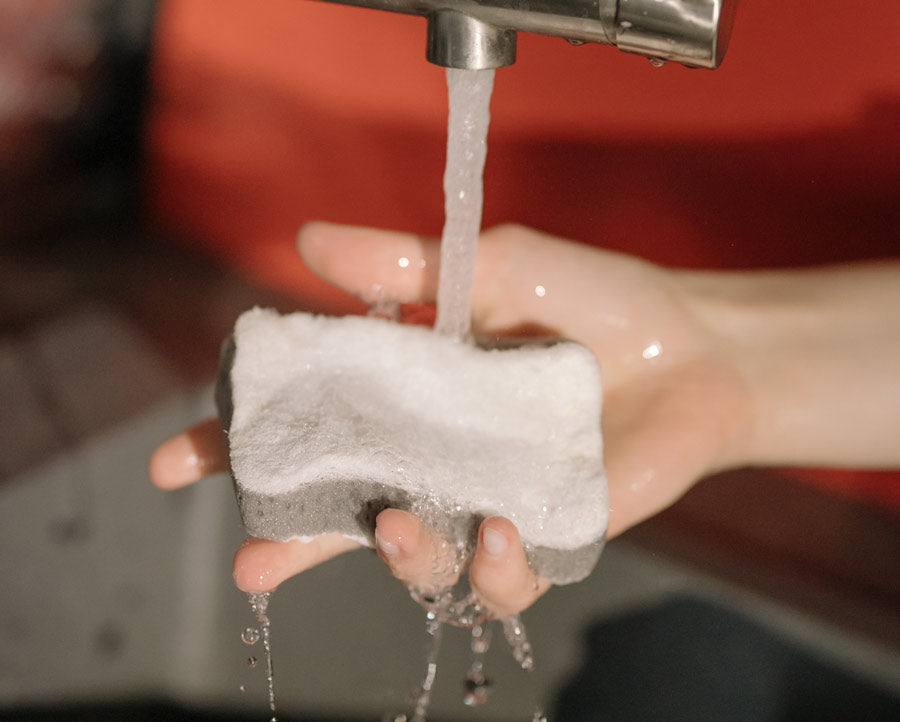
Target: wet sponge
{"x": 330, "y": 420}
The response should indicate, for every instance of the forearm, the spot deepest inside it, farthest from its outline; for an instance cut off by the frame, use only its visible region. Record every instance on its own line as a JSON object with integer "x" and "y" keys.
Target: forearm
{"x": 819, "y": 351}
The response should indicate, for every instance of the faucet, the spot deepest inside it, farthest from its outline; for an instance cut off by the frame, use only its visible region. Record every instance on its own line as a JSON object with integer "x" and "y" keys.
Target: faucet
{"x": 479, "y": 34}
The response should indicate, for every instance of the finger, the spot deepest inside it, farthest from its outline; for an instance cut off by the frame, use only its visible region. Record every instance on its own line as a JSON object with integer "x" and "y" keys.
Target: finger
{"x": 189, "y": 456}
{"x": 500, "y": 575}
{"x": 373, "y": 265}
{"x": 416, "y": 557}
{"x": 513, "y": 271}
{"x": 261, "y": 565}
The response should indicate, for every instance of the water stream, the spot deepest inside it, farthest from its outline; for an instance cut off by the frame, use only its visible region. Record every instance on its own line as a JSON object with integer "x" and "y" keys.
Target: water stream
{"x": 469, "y": 93}
{"x": 259, "y": 604}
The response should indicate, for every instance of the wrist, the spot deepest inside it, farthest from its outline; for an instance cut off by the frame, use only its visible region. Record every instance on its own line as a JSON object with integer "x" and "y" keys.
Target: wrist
{"x": 742, "y": 320}
{"x": 817, "y": 352}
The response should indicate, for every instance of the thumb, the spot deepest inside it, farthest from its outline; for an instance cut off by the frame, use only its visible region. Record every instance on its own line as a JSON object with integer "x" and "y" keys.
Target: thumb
{"x": 371, "y": 264}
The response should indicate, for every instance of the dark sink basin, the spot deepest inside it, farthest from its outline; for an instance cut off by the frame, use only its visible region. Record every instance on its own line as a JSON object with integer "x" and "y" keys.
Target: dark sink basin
{"x": 688, "y": 659}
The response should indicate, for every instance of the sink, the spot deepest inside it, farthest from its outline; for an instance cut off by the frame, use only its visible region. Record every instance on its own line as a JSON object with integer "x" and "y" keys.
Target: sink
{"x": 690, "y": 659}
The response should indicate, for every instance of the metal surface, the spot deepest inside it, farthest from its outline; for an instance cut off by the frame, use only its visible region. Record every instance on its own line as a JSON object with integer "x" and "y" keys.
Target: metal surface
{"x": 480, "y": 34}
{"x": 456, "y": 40}
{"x": 694, "y": 32}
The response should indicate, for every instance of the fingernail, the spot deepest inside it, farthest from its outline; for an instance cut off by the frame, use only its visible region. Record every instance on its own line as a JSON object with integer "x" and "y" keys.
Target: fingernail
{"x": 386, "y": 547}
{"x": 494, "y": 542}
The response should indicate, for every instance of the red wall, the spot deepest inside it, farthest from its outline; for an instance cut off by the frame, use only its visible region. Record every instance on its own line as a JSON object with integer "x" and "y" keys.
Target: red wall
{"x": 266, "y": 115}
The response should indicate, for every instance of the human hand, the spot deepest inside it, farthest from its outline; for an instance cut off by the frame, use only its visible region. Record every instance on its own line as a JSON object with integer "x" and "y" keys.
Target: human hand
{"x": 499, "y": 572}
{"x": 674, "y": 405}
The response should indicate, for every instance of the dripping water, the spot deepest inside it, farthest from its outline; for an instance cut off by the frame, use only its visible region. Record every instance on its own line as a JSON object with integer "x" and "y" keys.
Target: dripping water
{"x": 477, "y": 684}
{"x": 518, "y": 641}
{"x": 259, "y": 604}
{"x": 435, "y": 630}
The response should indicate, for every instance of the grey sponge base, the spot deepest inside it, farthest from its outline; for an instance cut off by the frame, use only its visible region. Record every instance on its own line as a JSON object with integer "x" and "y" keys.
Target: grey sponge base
{"x": 288, "y": 516}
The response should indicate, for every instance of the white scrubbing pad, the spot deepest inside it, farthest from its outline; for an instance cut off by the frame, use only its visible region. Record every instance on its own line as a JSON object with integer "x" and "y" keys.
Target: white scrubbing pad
{"x": 330, "y": 420}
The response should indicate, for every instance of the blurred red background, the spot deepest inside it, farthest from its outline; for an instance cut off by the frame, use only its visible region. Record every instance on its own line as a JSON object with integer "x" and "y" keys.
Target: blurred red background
{"x": 267, "y": 115}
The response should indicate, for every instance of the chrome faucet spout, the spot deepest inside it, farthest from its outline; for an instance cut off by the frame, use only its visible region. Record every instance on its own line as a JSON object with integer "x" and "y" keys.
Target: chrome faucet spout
{"x": 456, "y": 40}
{"x": 478, "y": 34}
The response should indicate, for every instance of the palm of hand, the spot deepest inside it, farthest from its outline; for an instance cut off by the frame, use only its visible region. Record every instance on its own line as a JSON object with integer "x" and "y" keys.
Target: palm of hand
{"x": 671, "y": 399}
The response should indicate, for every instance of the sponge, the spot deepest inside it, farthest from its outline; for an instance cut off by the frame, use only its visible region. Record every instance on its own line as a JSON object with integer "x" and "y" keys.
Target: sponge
{"x": 331, "y": 420}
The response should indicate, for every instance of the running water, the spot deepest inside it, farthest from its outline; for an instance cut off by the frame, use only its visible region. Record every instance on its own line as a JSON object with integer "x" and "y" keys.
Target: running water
{"x": 469, "y": 94}
{"x": 259, "y": 604}
{"x": 435, "y": 630}
{"x": 477, "y": 684}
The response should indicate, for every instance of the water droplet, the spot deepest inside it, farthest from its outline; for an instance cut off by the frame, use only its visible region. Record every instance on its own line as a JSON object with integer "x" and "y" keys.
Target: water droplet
{"x": 575, "y": 41}
{"x": 652, "y": 351}
{"x": 251, "y": 662}
{"x": 403, "y": 262}
{"x": 259, "y": 603}
{"x": 481, "y": 640}
{"x": 625, "y": 24}
{"x": 518, "y": 642}
{"x": 250, "y": 635}
{"x": 242, "y": 688}
{"x": 657, "y": 62}
{"x": 540, "y": 291}
{"x": 476, "y": 688}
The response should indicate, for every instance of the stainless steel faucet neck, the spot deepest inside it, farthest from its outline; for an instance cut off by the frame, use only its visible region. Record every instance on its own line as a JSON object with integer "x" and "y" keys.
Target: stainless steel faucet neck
{"x": 456, "y": 40}
{"x": 479, "y": 34}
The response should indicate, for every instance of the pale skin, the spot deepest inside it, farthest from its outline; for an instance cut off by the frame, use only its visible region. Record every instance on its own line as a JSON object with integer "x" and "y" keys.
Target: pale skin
{"x": 702, "y": 371}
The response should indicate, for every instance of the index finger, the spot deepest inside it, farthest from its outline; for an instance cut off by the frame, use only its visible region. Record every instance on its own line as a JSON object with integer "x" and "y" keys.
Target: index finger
{"x": 189, "y": 456}
{"x": 372, "y": 264}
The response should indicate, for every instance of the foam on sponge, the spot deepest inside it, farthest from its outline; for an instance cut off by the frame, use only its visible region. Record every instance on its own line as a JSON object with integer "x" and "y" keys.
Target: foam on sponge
{"x": 330, "y": 420}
